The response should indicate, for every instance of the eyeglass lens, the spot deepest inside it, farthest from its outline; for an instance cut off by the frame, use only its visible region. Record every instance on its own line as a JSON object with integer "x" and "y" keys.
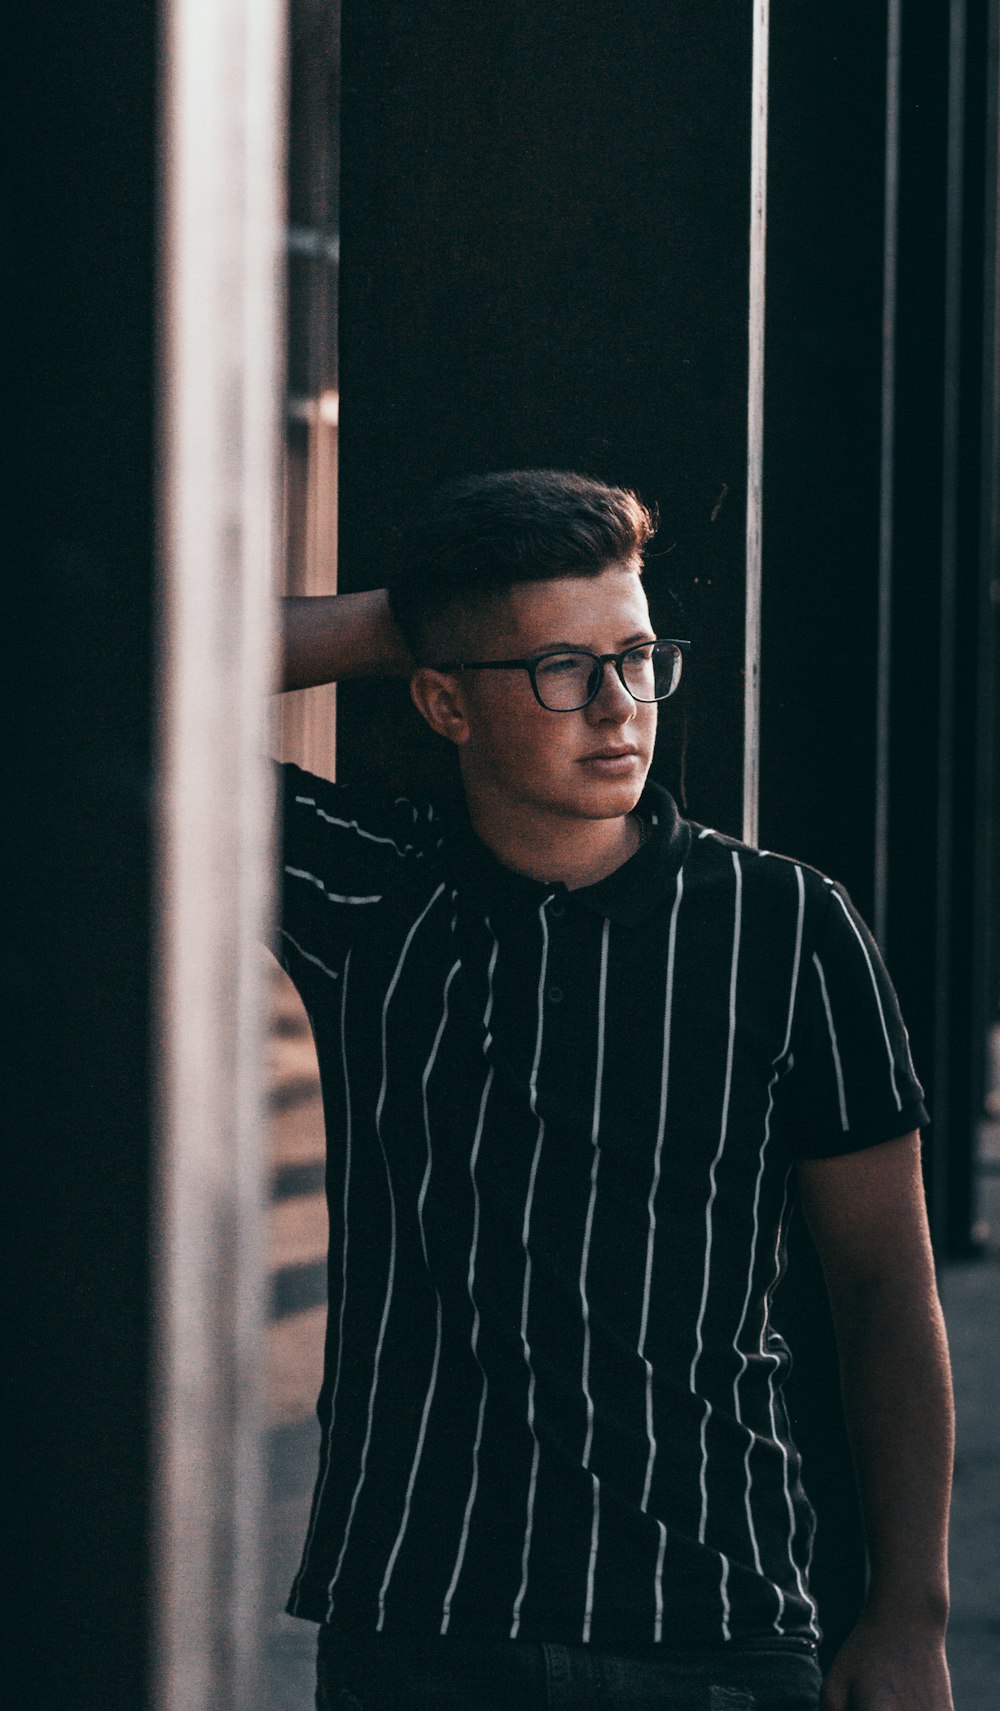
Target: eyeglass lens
{"x": 567, "y": 681}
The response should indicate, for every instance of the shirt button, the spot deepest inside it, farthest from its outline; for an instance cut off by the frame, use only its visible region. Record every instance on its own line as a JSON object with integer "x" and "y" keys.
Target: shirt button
{"x": 557, "y": 911}
{"x": 555, "y": 994}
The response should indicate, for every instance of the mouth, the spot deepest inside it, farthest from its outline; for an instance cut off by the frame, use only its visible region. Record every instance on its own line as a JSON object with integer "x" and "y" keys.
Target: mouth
{"x": 611, "y": 759}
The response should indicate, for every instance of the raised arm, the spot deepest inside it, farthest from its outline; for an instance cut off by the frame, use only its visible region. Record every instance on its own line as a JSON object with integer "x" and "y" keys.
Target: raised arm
{"x": 330, "y": 637}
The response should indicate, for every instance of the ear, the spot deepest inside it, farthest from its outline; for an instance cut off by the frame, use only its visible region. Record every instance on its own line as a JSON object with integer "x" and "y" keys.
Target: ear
{"x": 438, "y": 698}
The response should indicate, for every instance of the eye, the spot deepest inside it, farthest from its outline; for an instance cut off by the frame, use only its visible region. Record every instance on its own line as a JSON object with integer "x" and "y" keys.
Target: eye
{"x": 562, "y": 665}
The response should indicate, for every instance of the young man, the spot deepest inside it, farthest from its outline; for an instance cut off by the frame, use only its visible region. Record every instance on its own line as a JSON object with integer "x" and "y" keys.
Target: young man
{"x": 578, "y": 1053}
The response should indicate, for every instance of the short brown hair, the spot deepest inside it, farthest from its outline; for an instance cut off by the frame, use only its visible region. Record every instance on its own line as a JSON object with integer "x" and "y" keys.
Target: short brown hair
{"x": 477, "y": 537}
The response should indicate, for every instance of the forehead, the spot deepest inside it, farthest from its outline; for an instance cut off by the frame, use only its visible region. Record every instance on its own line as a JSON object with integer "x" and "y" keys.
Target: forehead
{"x": 601, "y": 612}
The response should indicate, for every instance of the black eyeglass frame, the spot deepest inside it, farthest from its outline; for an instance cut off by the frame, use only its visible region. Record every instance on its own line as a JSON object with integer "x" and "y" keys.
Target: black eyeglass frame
{"x": 531, "y": 664}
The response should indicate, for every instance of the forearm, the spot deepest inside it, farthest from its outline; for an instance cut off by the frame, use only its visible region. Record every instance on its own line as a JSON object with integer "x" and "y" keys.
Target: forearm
{"x": 898, "y": 1403}
{"x": 868, "y": 1217}
{"x": 329, "y": 638}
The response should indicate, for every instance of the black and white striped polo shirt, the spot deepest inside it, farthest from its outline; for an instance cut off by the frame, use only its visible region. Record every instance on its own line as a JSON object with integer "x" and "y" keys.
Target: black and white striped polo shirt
{"x": 561, "y": 1131}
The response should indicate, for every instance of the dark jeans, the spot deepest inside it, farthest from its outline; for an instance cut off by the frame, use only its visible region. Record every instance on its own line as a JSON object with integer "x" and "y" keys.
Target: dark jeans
{"x": 373, "y": 1673}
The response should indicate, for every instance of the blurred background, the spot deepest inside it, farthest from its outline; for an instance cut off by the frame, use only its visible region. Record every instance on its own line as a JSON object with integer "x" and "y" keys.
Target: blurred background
{"x": 277, "y": 269}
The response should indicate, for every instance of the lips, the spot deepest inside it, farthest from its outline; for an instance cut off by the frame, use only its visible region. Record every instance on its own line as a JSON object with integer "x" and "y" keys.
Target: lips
{"x": 610, "y": 754}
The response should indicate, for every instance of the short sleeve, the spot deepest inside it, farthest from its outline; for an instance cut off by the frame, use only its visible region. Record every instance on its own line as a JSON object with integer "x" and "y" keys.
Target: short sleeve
{"x": 342, "y": 852}
{"x": 850, "y": 1081}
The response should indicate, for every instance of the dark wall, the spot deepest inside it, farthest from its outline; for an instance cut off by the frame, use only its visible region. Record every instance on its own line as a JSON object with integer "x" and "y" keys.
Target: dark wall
{"x": 823, "y": 448}
{"x": 78, "y": 251}
{"x": 822, "y": 415}
{"x": 824, "y": 428}
{"x": 945, "y": 619}
{"x": 544, "y": 262}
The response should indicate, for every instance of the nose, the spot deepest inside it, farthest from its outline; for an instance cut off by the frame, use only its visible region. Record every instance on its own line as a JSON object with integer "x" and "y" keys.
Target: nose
{"x": 612, "y": 700}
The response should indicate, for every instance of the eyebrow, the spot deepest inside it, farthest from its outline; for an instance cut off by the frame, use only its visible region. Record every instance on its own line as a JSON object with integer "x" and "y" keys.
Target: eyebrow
{"x": 576, "y": 647}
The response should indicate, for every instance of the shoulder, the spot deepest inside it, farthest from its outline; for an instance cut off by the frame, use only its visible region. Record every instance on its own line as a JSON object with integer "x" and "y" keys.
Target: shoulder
{"x": 764, "y": 873}
{"x": 321, "y": 811}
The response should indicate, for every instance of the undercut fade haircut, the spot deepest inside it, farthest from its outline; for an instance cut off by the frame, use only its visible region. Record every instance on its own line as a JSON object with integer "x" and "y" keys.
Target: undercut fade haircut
{"x": 476, "y": 538}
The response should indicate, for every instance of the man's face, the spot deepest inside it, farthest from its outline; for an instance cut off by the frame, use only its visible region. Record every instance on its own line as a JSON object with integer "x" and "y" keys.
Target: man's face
{"x": 590, "y": 764}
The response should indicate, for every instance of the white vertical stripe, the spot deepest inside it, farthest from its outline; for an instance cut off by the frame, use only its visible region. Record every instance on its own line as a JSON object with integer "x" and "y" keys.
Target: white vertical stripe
{"x": 909, "y": 1054}
{"x": 542, "y": 969}
{"x": 595, "y": 1526}
{"x": 394, "y": 982}
{"x": 650, "y": 1246}
{"x": 421, "y": 1200}
{"x": 779, "y": 1438}
{"x": 470, "y": 1286}
{"x": 535, "y": 1452}
{"x": 776, "y": 1066}
{"x": 658, "y": 1583}
{"x": 878, "y": 999}
{"x": 343, "y": 1291}
{"x": 809, "y": 1564}
{"x": 584, "y": 1264}
{"x": 411, "y": 1482}
{"x": 775, "y": 1362}
{"x": 654, "y": 1185}
{"x": 594, "y": 1168}
{"x": 723, "y": 1129}
{"x": 307, "y": 955}
{"x": 352, "y": 826}
{"x": 474, "y": 1485}
{"x": 488, "y": 1012}
{"x": 334, "y": 896}
{"x": 837, "y": 1067}
{"x": 526, "y": 1291}
{"x": 796, "y": 960}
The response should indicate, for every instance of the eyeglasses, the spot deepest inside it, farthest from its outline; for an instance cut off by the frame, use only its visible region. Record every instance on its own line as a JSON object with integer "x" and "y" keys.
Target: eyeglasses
{"x": 564, "y": 680}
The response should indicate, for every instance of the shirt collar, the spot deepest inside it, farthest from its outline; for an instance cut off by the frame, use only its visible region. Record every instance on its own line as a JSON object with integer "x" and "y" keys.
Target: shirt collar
{"x": 627, "y": 895}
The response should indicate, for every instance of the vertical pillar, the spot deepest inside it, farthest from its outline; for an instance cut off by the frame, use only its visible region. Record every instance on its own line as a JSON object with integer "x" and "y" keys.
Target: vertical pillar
{"x": 141, "y": 836}
{"x": 221, "y": 407}
{"x": 877, "y": 670}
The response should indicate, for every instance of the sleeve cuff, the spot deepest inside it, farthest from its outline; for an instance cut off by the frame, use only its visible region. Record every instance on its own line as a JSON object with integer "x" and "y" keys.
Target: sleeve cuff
{"x": 862, "y": 1135}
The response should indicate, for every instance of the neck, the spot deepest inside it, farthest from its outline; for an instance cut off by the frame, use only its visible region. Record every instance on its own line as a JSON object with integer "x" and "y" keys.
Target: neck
{"x": 577, "y": 852}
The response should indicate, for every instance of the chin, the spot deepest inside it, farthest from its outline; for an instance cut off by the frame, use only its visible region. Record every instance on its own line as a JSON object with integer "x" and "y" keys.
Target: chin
{"x": 611, "y": 800}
